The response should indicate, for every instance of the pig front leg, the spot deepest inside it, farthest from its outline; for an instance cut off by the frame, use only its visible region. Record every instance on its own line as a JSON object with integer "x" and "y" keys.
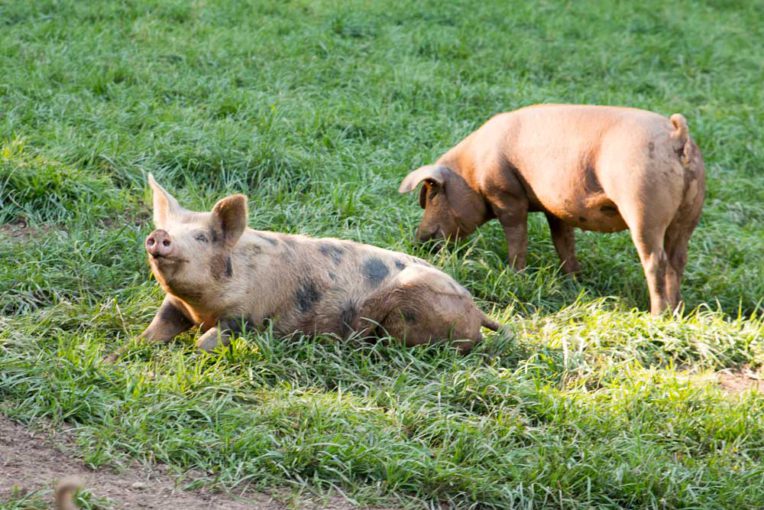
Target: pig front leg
{"x": 565, "y": 243}
{"x": 510, "y": 207}
{"x": 214, "y": 337}
{"x": 170, "y": 321}
{"x": 221, "y": 333}
{"x": 515, "y": 225}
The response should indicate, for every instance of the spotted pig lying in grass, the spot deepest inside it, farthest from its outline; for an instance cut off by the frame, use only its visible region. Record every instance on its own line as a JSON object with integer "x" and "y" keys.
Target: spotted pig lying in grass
{"x": 222, "y": 276}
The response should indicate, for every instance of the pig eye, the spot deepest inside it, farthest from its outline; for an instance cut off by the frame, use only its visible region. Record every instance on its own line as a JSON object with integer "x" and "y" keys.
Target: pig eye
{"x": 201, "y": 238}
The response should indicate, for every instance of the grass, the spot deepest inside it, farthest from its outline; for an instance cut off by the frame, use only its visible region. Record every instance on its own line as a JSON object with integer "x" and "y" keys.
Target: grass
{"x": 316, "y": 111}
{"x": 40, "y": 500}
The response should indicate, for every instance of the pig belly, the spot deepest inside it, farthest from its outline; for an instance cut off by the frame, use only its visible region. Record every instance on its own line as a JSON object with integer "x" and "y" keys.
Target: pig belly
{"x": 572, "y": 193}
{"x": 589, "y": 212}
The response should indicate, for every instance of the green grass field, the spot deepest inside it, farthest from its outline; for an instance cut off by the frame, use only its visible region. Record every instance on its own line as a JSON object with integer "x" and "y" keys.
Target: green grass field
{"x": 316, "y": 110}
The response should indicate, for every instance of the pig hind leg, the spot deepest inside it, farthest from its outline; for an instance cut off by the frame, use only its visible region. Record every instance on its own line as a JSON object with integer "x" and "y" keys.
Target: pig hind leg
{"x": 676, "y": 242}
{"x": 648, "y": 228}
{"x": 417, "y": 314}
{"x": 648, "y": 194}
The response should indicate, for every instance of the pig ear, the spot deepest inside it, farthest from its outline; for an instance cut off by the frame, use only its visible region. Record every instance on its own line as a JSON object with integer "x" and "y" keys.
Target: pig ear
{"x": 165, "y": 204}
{"x": 433, "y": 174}
{"x": 231, "y": 215}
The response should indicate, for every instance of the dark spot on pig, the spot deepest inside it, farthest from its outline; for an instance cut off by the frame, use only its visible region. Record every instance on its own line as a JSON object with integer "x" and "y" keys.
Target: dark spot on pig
{"x": 609, "y": 210}
{"x": 253, "y": 250}
{"x": 374, "y": 270}
{"x": 332, "y": 251}
{"x": 214, "y": 236}
{"x": 221, "y": 267}
{"x": 170, "y": 314}
{"x": 651, "y": 149}
{"x": 400, "y": 265}
{"x": 332, "y": 276}
{"x": 307, "y": 295}
{"x": 269, "y": 239}
{"x": 582, "y": 219}
{"x": 348, "y": 316}
{"x": 408, "y": 315}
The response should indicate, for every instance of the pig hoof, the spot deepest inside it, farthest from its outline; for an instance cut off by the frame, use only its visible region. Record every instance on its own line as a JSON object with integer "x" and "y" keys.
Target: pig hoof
{"x": 211, "y": 340}
{"x": 207, "y": 345}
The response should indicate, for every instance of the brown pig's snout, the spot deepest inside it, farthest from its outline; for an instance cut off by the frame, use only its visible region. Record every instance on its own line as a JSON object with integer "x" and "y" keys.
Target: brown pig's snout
{"x": 159, "y": 243}
{"x": 423, "y": 236}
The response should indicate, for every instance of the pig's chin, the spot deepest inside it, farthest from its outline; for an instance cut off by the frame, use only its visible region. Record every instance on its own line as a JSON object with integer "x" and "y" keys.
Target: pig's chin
{"x": 165, "y": 267}
{"x": 171, "y": 279}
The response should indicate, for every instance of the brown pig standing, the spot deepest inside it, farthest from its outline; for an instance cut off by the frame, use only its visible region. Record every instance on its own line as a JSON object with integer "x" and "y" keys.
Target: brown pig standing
{"x": 597, "y": 168}
{"x": 222, "y": 276}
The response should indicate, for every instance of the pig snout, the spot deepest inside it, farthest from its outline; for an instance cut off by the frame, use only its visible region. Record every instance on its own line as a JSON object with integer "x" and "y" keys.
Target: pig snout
{"x": 159, "y": 244}
{"x": 422, "y": 235}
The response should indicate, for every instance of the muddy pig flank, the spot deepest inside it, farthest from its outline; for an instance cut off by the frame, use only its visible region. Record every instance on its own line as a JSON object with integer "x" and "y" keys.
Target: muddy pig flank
{"x": 224, "y": 277}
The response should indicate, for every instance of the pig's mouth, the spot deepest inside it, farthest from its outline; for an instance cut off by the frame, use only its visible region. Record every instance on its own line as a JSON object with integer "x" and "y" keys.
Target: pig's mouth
{"x": 161, "y": 259}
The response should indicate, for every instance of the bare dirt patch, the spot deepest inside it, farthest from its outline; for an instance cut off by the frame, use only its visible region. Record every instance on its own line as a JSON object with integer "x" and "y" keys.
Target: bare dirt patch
{"x": 33, "y": 461}
{"x": 738, "y": 381}
{"x": 20, "y": 230}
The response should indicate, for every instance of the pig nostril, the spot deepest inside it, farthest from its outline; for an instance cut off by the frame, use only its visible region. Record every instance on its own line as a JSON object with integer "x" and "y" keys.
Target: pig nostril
{"x": 150, "y": 241}
{"x": 166, "y": 243}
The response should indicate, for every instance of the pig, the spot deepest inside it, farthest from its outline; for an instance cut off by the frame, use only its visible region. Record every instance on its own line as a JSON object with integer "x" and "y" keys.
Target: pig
{"x": 224, "y": 277}
{"x": 598, "y": 168}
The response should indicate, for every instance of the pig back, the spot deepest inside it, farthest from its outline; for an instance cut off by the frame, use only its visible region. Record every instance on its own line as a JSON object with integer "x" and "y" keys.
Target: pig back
{"x": 309, "y": 285}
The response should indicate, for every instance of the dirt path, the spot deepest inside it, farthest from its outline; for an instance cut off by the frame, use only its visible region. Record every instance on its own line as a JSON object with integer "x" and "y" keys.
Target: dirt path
{"x": 31, "y": 461}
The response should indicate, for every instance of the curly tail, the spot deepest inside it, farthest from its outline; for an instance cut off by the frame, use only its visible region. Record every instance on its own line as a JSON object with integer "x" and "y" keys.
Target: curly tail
{"x": 489, "y": 323}
{"x": 681, "y": 135}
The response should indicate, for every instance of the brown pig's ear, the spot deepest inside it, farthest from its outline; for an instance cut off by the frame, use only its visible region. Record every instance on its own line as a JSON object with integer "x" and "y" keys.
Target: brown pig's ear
{"x": 165, "y": 204}
{"x": 433, "y": 174}
{"x": 231, "y": 215}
